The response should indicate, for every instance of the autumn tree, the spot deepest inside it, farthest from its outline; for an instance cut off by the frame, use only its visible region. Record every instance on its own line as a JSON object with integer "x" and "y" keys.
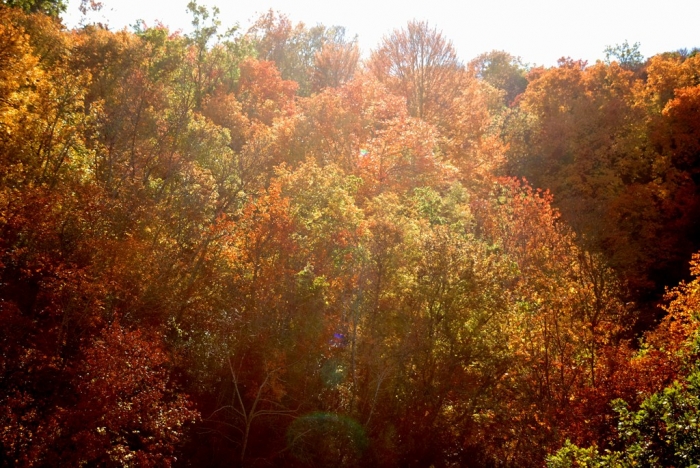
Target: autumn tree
{"x": 336, "y": 124}
{"x": 663, "y": 429}
{"x": 502, "y": 71}
{"x": 334, "y": 64}
{"x": 419, "y": 64}
{"x": 470, "y": 132}
{"x": 562, "y": 322}
{"x": 574, "y": 133}
{"x": 600, "y": 138}
{"x": 127, "y": 409}
{"x": 298, "y": 51}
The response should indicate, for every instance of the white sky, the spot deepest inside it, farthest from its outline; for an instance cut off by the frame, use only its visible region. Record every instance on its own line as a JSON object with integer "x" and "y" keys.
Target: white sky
{"x": 539, "y": 31}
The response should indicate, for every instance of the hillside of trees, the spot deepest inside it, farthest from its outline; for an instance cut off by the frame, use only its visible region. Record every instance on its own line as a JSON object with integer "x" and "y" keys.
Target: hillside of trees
{"x": 253, "y": 248}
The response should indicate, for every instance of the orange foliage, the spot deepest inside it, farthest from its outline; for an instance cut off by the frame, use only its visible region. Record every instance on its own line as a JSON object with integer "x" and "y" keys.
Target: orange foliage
{"x": 262, "y": 92}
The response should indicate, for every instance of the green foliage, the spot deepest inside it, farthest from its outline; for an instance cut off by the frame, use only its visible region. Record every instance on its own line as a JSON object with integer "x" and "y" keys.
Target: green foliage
{"x": 664, "y": 431}
{"x": 626, "y": 55}
{"x": 571, "y": 456}
{"x": 327, "y": 440}
{"x": 502, "y": 71}
{"x": 48, "y": 7}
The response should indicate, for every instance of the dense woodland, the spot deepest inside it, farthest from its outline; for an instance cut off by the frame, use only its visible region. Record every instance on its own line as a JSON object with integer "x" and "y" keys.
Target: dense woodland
{"x": 253, "y": 248}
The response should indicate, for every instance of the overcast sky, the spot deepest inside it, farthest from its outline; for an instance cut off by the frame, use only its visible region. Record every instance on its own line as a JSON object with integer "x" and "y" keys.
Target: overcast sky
{"x": 539, "y": 31}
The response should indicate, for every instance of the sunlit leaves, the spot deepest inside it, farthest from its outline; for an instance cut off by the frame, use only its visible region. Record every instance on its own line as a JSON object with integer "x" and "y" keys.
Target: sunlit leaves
{"x": 322, "y": 259}
{"x": 663, "y": 430}
{"x": 126, "y": 412}
{"x": 419, "y": 64}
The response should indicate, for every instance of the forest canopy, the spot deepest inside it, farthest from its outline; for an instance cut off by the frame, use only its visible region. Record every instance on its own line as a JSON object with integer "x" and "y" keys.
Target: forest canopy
{"x": 255, "y": 248}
